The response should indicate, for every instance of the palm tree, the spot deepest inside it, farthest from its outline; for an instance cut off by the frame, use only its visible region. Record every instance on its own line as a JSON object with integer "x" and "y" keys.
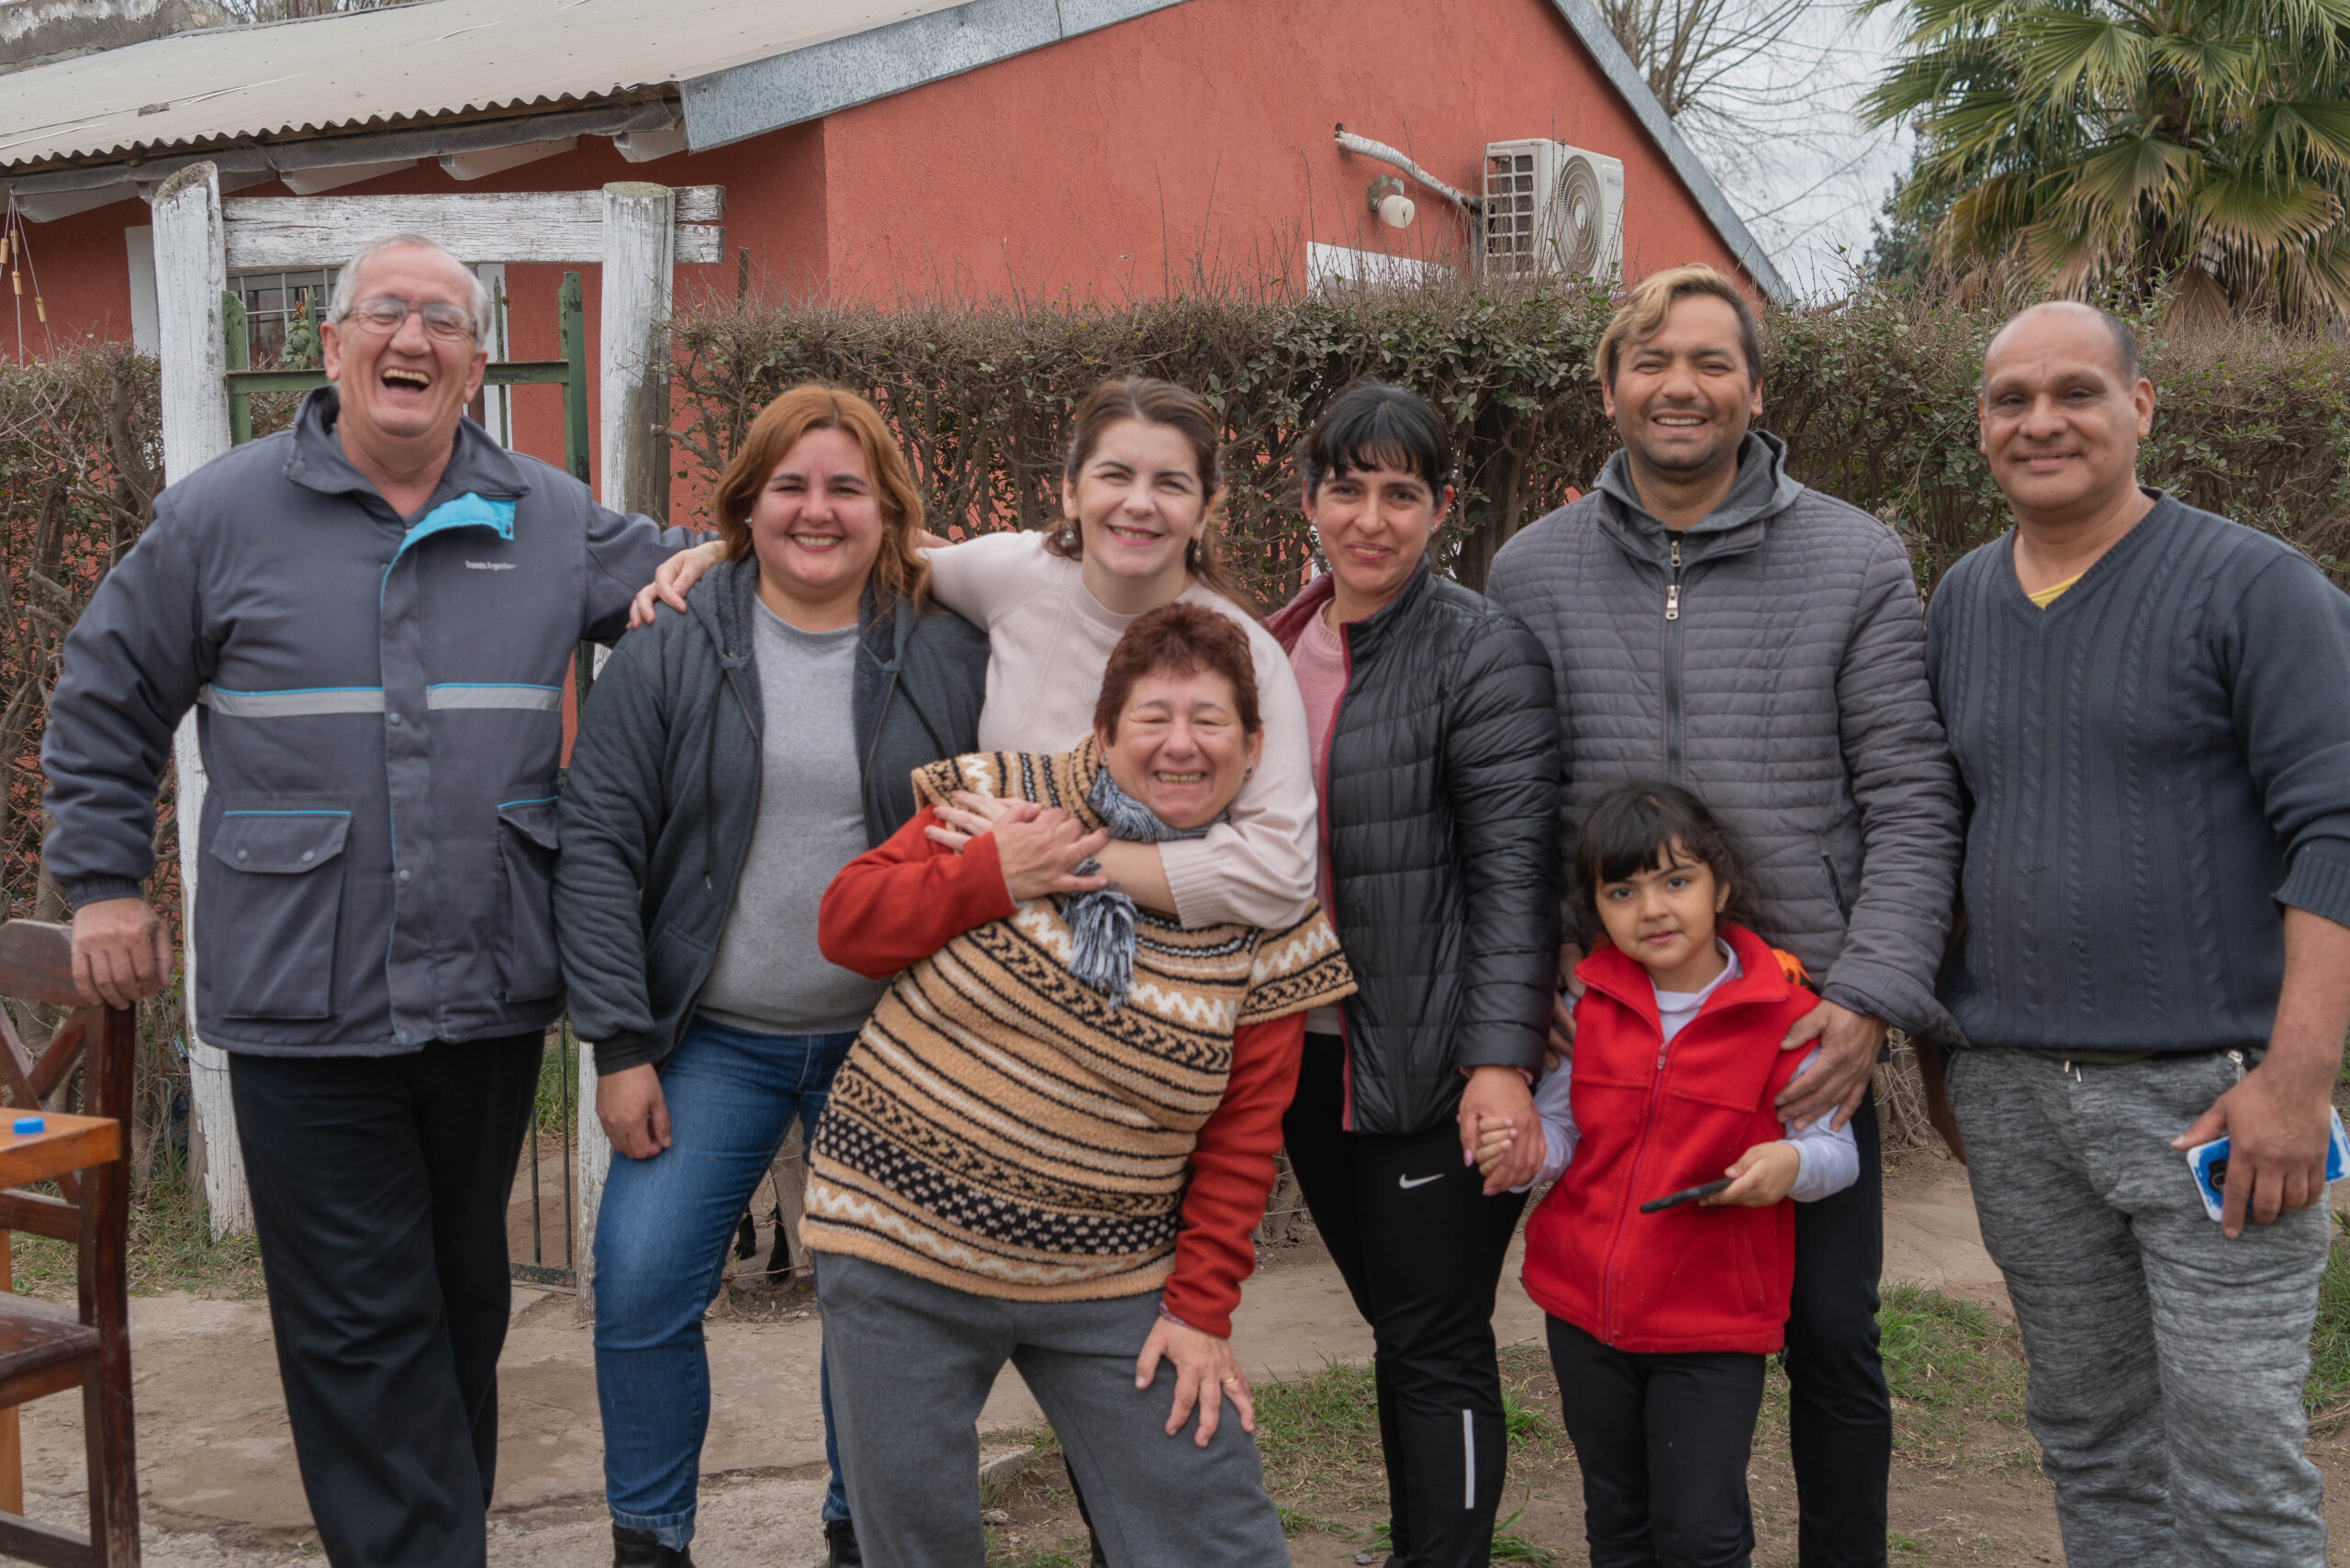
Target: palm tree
{"x": 2096, "y": 144}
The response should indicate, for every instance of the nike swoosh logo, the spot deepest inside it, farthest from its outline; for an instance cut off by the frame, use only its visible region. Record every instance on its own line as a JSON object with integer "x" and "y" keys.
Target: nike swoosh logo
{"x": 1407, "y": 1183}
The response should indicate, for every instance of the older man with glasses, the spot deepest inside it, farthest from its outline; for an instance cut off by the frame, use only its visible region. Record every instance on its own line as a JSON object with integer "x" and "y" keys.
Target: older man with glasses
{"x": 374, "y": 612}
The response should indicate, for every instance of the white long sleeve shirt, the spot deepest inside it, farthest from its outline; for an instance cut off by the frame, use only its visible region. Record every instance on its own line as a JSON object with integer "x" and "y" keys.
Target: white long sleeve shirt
{"x": 1048, "y": 642}
{"x": 1827, "y": 1160}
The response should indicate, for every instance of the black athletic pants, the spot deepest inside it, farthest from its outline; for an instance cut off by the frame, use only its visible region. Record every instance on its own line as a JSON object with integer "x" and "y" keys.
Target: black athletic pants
{"x": 1663, "y": 1441}
{"x": 1840, "y": 1415}
{"x": 379, "y": 1188}
{"x": 1421, "y": 1249}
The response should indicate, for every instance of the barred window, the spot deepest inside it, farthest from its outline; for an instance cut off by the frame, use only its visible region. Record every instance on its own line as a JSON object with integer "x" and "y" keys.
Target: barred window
{"x": 272, "y": 301}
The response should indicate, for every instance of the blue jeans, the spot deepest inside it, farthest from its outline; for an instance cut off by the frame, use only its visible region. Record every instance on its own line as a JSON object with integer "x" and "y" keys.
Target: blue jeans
{"x": 661, "y": 1239}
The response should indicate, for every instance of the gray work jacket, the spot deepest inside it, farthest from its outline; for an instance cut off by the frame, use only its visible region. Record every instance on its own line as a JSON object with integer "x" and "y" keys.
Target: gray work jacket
{"x": 381, "y": 724}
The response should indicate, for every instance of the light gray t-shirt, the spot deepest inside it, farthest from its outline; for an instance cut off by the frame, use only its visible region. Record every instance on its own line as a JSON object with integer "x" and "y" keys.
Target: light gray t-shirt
{"x": 769, "y": 977}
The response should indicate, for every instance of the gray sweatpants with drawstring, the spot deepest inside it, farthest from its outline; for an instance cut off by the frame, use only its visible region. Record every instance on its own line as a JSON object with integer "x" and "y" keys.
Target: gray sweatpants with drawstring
{"x": 2166, "y": 1360}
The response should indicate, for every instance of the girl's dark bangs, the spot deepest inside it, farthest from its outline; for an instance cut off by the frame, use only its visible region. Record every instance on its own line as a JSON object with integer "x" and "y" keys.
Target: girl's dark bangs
{"x": 1627, "y": 836}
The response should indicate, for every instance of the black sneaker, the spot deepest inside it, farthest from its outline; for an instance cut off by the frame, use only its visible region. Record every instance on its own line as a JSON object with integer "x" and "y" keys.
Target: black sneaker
{"x": 642, "y": 1549}
{"x": 840, "y": 1545}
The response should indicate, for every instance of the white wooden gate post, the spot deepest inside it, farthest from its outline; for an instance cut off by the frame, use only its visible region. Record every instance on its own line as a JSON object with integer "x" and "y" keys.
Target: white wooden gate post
{"x": 191, "y": 276}
{"x": 640, "y": 245}
{"x": 640, "y": 242}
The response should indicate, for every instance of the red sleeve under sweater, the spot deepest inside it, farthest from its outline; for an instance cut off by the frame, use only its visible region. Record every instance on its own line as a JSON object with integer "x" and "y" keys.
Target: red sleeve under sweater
{"x": 1232, "y": 1175}
{"x": 897, "y": 904}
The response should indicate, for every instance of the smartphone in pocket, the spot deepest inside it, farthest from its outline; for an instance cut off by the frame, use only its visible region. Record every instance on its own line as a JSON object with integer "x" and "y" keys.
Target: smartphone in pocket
{"x": 2209, "y": 1163}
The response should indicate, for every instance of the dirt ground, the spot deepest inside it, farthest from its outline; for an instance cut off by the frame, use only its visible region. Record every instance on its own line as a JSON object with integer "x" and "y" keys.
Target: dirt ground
{"x": 219, "y": 1484}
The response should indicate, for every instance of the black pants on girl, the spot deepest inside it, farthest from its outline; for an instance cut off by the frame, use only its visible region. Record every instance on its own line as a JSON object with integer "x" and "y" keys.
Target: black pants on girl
{"x": 1420, "y": 1247}
{"x": 1662, "y": 1440}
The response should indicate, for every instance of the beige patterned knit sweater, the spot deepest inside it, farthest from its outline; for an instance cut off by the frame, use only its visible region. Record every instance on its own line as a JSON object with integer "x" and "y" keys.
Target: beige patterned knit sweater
{"x": 998, "y": 1128}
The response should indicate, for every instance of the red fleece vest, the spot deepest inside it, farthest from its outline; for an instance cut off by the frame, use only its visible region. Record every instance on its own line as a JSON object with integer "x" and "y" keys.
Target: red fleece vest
{"x": 1656, "y": 1119}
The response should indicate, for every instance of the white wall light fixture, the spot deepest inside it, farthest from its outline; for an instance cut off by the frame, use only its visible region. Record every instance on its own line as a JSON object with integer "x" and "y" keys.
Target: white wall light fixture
{"x": 1388, "y": 201}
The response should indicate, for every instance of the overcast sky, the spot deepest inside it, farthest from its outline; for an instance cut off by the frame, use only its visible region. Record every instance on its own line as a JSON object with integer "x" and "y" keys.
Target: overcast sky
{"x": 1792, "y": 155}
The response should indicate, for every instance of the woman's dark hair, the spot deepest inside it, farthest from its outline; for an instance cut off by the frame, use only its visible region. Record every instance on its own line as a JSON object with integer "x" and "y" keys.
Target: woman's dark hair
{"x": 1179, "y": 639}
{"x": 1377, "y": 424}
{"x": 1633, "y": 827}
{"x": 1149, "y": 402}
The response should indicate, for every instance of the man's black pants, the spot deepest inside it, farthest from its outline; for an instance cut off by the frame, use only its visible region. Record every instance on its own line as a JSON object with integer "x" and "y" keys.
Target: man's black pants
{"x": 1421, "y": 1249}
{"x": 1663, "y": 1441}
{"x": 379, "y": 1188}
{"x": 1840, "y": 1415}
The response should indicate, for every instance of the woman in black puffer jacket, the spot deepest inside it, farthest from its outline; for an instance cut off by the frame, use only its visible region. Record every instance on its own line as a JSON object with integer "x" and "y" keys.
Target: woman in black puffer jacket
{"x": 1436, "y": 742}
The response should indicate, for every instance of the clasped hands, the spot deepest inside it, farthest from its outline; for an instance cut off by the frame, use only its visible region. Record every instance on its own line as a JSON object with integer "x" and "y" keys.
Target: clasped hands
{"x": 1038, "y": 847}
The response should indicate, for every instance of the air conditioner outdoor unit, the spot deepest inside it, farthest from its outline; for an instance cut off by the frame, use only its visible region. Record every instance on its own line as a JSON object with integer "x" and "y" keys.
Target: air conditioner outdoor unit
{"x": 1553, "y": 208}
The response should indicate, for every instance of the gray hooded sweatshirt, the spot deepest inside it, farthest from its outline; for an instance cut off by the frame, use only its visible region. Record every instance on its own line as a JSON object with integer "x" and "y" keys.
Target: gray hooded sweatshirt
{"x": 1773, "y": 659}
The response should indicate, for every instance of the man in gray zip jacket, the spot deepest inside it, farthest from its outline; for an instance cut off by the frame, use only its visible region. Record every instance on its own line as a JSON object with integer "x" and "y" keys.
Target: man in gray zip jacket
{"x": 376, "y": 610}
{"x": 1715, "y": 623}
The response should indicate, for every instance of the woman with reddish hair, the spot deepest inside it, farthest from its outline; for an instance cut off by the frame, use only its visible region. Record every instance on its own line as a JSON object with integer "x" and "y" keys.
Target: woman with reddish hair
{"x": 1049, "y": 1145}
{"x": 730, "y": 760}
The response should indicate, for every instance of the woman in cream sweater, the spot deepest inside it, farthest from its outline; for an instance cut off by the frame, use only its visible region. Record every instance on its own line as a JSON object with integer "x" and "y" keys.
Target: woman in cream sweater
{"x": 1139, "y": 504}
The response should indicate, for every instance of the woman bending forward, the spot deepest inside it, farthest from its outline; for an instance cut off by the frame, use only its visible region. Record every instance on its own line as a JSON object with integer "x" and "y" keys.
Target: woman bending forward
{"x": 1051, "y": 1141}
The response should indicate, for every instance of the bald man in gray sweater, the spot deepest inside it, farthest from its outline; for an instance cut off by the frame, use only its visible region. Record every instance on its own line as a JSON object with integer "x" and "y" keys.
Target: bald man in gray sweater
{"x": 2150, "y": 707}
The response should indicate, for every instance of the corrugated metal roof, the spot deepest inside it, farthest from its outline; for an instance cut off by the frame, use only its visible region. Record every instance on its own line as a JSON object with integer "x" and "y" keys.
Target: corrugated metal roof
{"x": 383, "y": 69}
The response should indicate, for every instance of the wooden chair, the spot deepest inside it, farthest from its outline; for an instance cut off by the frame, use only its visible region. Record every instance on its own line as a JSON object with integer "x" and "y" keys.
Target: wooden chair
{"x": 40, "y": 1354}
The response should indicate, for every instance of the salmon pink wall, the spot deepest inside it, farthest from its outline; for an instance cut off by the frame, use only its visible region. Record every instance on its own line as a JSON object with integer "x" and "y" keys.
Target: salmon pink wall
{"x": 1190, "y": 143}
{"x": 1200, "y": 137}
{"x": 84, "y": 270}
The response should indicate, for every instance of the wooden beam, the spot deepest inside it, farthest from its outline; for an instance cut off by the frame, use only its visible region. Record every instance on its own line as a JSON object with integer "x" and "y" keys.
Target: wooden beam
{"x": 42, "y": 1215}
{"x": 191, "y": 276}
{"x": 65, "y": 1143}
{"x": 639, "y": 228}
{"x": 190, "y": 279}
{"x": 36, "y": 962}
{"x": 565, "y": 227}
{"x": 593, "y": 1154}
{"x": 29, "y": 1542}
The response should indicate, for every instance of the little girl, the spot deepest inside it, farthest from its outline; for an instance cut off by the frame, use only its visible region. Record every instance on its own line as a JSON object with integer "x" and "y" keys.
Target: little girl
{"x": 1659, "y": 1321}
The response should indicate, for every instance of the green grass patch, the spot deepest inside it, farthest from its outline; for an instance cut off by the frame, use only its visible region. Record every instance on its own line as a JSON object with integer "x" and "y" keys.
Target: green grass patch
{"x": 171, "y": 1249}
{"x": 1072, "y": 1552}
{"x": 2327, "y": 1393}
{"x": 1318, "y": 1436}
{"x": 558, "y": 1097}
{"x": 1511, "y": 1547}
{"x": 1956, "y": 1374}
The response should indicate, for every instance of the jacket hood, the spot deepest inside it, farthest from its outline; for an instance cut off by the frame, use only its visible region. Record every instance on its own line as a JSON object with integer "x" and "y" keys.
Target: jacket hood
{"x": 1763, "y": 978}
{"x": 477, "y": 465}
{"x": 1762, "y": 490}
{"x": 1289, "y": 624}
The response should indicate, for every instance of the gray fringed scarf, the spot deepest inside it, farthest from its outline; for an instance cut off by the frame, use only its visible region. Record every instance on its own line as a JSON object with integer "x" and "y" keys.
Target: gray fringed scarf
{"x": 1102, "y": 924}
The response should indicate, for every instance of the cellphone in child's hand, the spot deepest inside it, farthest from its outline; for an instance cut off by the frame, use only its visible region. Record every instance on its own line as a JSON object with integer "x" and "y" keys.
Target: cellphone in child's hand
{"x": 2208, "y": 1164}
{"x": 1686, "y": 1195}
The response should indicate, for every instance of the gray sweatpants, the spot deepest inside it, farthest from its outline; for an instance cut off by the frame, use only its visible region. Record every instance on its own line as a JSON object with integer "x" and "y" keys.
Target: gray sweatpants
{"x": 912, "y": 1363}
{"x": 2166, "y": 1360}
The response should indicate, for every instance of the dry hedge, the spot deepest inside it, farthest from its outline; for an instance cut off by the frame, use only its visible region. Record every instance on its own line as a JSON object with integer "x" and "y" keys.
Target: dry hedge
{"x": 81, "y": 457}
{"x": 1874, "y": 398}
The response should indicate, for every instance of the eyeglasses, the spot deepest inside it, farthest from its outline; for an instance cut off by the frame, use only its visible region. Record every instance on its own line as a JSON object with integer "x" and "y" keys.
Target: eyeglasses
{"x": 384, "y": 315}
